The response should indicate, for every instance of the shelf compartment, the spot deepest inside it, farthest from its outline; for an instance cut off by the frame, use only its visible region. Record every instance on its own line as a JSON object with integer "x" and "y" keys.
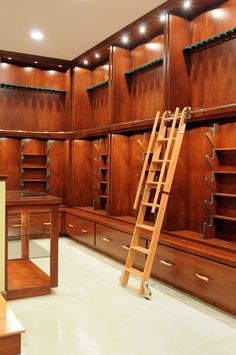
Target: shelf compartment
{"x": 103, "y": 182}
{"x": 224, "y": 218}
{"x": 99, "y": 85}
{"x": 221, "y": 194}
{"x": 31, "y": 88}
{"x": 103, "y": 196}
{"x": 210, "y": 41}
{"x": 150, "y": 65}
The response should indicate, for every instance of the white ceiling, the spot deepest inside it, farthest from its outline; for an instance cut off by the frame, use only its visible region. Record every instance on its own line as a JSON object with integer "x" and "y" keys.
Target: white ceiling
{"x": 70, "y": 27}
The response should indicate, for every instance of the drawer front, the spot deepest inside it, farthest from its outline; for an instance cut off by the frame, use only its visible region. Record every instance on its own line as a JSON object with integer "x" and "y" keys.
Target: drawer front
{"x": 215, "y": 283}
{"x": 39, "y": 223}
{"x": 116, "y": 244}
{"x": 80, "y": 229}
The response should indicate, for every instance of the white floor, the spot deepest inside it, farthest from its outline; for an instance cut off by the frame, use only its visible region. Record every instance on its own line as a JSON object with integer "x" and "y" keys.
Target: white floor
{"x": 91, "y": 314}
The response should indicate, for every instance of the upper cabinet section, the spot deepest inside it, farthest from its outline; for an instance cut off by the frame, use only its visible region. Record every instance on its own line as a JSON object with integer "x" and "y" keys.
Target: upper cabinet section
{"x": 137, "y": 86}
{"x": 201, "y": 61}
{"x": 32, "y": 99}
{"x": 91, "y": 98}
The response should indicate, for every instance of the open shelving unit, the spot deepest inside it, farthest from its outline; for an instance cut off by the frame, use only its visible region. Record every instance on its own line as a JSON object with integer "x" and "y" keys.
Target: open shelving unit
{"x": 31, "y": 88}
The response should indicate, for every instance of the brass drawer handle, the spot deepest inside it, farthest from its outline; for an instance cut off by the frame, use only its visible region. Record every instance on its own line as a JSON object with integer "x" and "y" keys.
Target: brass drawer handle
{"x": 106, "y": 239}
{"x": 165, "y": 263}
{"x": 70, "y": 225}
{"x": 46, "y": 223}
{"x": 84, "y": 231}
{"x": 203, "y": 278}
{"x": 125, "y": 247}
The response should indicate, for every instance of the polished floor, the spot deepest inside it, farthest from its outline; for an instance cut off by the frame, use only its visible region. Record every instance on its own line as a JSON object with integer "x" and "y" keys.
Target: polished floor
{"x": 91, "y": 314}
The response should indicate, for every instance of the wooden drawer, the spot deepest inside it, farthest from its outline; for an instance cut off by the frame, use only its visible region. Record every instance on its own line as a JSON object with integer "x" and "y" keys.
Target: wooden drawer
{"x": 214, "y": 283}
{"x": 80, "y": 229}
{"x": 116, "y": 244}
{"x": 39, "y": 224}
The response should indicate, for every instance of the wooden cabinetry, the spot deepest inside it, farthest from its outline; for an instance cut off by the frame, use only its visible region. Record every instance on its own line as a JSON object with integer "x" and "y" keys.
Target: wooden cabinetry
{"x": 80, "y": 229}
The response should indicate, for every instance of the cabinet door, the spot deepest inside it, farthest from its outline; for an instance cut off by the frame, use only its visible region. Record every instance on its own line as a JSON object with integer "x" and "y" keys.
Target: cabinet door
{"x": 80, "y": 229}
{"x": 213, "y": 282}
{"x": 116, "y": 244}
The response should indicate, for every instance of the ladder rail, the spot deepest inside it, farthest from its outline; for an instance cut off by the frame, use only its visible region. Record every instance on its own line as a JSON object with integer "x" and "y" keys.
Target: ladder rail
{"x": 166, "y": 155}
{"x": 145, "y": 164}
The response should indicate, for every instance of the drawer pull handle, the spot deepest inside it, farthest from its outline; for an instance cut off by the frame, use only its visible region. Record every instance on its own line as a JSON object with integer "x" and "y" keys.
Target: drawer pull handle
{"x": 46, "y": 223}
{"x": 16, "y": 225}
{"x": 106, "y": 239}
{"x": 165, "y": 263}
{"x": 125, "y": 247}
{"x": 70, "y": 225}
{"x": 203, "y": 278}
{"x": 84, "y": 231}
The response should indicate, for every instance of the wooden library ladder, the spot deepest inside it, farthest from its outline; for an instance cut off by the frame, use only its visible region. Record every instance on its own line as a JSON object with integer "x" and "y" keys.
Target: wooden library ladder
{"x": 161, "y": 160}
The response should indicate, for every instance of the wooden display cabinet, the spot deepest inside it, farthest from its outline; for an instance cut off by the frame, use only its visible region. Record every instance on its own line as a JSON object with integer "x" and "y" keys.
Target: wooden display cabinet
{"x": 91, "y": 173}
{"x": 137, "y": 85}
{"x": 33, "y": 99}
{"x": 91, "y": 98}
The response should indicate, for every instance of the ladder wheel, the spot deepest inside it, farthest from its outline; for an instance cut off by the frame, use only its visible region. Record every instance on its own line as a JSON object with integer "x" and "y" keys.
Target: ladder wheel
{"x": 147, "y": 292}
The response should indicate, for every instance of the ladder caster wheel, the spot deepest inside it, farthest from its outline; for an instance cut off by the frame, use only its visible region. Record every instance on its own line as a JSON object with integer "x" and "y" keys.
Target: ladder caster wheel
{"x": 147, "y": 292}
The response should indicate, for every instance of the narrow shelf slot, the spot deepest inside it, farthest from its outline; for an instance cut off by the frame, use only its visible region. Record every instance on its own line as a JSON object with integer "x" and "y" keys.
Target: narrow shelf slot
{"x": 230, "y": 172}
{"x": 31, "y": 88}
{"x": 225, "y": 149}
{"x": 29, "y": 166}
{"x": 35, "y": 154}
{"x": 34, "y": 180}
{"x": 210, "y": 41}
{"x": 103, "y": 196}
{"x": 150, "y": 65}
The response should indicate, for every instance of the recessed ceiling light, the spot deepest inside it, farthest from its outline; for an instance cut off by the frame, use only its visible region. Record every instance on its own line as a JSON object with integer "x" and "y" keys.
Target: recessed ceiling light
{"x": 142, "y": 29}
{"x": 35, "y": 62}
{"x": 9, "y": 58}
{"x": 187, "y": 4}
{"x": 85, "y": 62}
{"x": 162, "y": 17}
{"x": 218, "y": 13}
{"x": 125, "y": 39}
{"x": 97, "y": 55}
{"x": 37, "y": 35}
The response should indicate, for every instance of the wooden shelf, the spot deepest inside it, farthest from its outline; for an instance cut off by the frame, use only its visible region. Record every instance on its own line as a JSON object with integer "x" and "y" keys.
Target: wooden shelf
{"x": 225, "y": 149}
{"x": 104, "y": 168}
{"x": 30, "y": 166}
{"x": 31, "y": 88}
{"x": 35, "y": 154}
{"x": 34, "y": 180}
{"x": 210, "y": 41}
{"x": 225, "y": 218}
{"x": 103, "y": 196}
{"x": 97, "y": 86}
{"x": 230, "y": 172}
{"x": 103, "y": 182}
{"x": 221, "y": 194}
{"x": 150, "y": 65}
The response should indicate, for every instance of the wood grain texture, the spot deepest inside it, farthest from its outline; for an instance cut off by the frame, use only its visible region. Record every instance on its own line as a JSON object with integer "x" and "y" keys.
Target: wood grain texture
{"x": 10, "y": 164}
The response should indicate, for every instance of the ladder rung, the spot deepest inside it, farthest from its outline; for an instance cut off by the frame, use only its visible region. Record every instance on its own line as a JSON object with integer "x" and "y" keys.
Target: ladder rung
{"x": 160, "y": 161}
{"x": 145, "y": 226}
{"x": 165, "y": 139}
{"x": 134, "y": 271}
{"x": 149, "y": 204}
{"x": 140, "y": 249}
{"x": 155, "y": 183}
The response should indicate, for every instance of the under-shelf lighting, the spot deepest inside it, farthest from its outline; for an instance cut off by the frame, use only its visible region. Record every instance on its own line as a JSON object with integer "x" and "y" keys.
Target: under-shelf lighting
{"x": 142, "y": 29}
{"x": 37, "y": 35}
{"x": 35, "y": 62}
{"x": 9, "y": 58}
{"x": 125, "y": 39}
{"x": 97, "y": 55}
{"x": 86, "y": 62}
{"x": 187, "y": 4}
{"x": 60, "y": 66}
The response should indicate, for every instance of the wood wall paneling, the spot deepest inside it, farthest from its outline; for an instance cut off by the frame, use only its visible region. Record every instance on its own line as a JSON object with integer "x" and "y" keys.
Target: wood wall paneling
{"x": 10, "y": 164}
{"x": 120, "y": 86}
{"x": 57, "y": 169}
